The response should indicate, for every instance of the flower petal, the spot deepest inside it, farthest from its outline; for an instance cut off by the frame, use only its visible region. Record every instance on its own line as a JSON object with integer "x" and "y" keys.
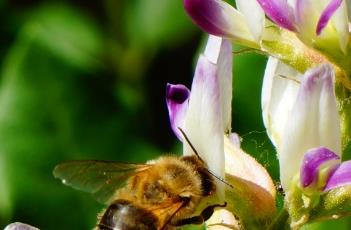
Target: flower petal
{"x": 222, "y": 219}
{"x": 209, "y": 112}
{"x": 340, "y": 177}
{"x": 279, "y": 91}
{"x": 203, "y": 123}
{"x": 307, "y": 13}
{"x": 177, "y": 98}
{"x": 327, "y": 14}
{"x": 314, "y": 121}
{"x": 341, "y": 23}
{"x": 19, "y": 226}
{"x": 234, "y": 139}
{"x": 253, "y": 195}
{"x": 280, "y": 12}
{"x": 312, "y": 163}
{"x": 205, "y": 119}
{"x": 326, "y": 18}
{"x": 254, "y": 16}
{"x": 219, "y": 52}
{"x": 219, "y": 18}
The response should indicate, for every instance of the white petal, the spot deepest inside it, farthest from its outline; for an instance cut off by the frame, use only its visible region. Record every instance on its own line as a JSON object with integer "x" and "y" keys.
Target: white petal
{"x": 241, "y": 165}
{"x": 224, "y": 217}
{"x": 313, "y": 122}
{"x": 219, "y": 52}
{"x": 307, "y": 13}
{"x": 19, "y": 226}
{"x": 279, "y": 90}
{"x": 239, "y": 30}
{"x": 203, "y": 123}
{"x": 341, "y": 24}
{"x": 253, "y": 189}
{"x": 254, "y": 16}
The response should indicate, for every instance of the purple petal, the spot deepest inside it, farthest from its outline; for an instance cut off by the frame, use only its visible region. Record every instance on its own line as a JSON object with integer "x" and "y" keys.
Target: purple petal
{"x": 280, "y": 12}
{"x": 327, "y": 14}
{"x": 340, "y": 177}
{"x": 312, "y": 162}
{"x": 219, "y": 18}
{"x": 177, "y": 98}
{"x": 206, "y": 14}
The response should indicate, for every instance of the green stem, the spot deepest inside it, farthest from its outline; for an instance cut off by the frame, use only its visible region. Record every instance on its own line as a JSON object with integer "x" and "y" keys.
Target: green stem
{"x": 280, "y": 222}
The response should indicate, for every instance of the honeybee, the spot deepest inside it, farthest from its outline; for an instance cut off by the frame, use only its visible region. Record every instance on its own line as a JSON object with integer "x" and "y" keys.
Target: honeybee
{"x": 161, "y": 194}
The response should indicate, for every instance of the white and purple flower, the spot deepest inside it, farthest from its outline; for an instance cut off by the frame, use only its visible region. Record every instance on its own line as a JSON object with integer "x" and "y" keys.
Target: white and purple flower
{"x": 312, "y": 20}
{"x": 321, "y": 24}
{"x": 301, "y": 116}
{"x": 204, "y": 113}
{"x": 243, "y": 25}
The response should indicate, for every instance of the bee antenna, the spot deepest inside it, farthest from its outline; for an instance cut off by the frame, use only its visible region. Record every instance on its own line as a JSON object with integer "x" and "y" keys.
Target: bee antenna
{"x": 191, "y": 145}
{"x": 220, "y": 178}
{"x": 198, "y": 156}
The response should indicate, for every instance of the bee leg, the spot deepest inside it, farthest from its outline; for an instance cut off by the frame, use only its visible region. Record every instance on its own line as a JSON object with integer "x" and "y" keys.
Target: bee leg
{"x": 204, "y": 215}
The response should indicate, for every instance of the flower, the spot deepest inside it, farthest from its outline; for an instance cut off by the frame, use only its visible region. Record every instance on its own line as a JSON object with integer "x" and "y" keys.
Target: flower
{"x": 302, "y": 33}
{"x": 243, "y": 25}
{"x": 19, "y": 226}
{"x": 205, "y": 116}
{"x": 205, "y": 113}
{"x": 301, "y": 116}
{"x": 322, "y": 24}
{"x": 315, "y": 21}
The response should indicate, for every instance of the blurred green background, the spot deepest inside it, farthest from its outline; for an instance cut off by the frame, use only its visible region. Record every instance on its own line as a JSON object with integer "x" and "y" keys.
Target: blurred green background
{"x": 86, "y": 80}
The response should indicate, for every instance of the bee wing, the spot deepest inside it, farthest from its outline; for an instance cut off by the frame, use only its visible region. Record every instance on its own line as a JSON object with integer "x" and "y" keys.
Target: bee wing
{"x": 101, "y": 178}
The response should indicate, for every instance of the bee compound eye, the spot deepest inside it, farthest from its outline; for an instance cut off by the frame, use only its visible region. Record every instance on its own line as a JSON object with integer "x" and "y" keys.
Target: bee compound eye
{"x": 124, "y": 215}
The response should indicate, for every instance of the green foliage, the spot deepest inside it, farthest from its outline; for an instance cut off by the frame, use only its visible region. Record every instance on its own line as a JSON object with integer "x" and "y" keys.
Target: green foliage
{"x": 40, "y": 102}
{"x": 57, "y": 103}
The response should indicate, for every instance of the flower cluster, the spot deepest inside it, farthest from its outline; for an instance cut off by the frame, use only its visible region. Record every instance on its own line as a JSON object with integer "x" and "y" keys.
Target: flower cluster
{"x": 305, "y": 107}
{"x": 302, "y": 33}
{"x": 305, "y": 93}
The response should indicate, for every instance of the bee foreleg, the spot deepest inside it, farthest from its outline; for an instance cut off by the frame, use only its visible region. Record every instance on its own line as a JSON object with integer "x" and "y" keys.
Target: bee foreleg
{"x": 204, "y": 215}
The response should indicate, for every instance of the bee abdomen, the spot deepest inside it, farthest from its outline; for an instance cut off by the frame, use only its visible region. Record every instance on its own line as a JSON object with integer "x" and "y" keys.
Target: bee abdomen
{"x": 124, "y": 215}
